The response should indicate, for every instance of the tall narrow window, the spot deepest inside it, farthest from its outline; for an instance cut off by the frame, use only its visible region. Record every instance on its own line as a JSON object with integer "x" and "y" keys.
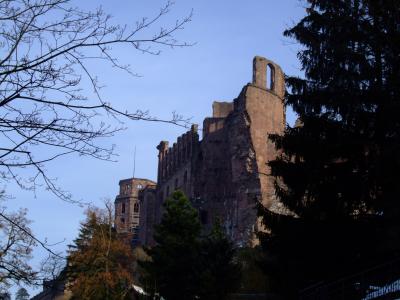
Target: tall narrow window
{"x": 123, "y": 208}
{"x": 203, "y": 217}
{"x": 176, "y": 183}
{"x": 136, "y": 207}
{"x": 270, "y": 77}
{"x": 185, "y": 178}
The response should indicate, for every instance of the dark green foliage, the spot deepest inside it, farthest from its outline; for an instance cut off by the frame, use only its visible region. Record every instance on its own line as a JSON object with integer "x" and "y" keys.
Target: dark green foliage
{"x": 339, "y": 170}
{"x": 174, "y": 269}
{"x": 220, "y": 272}
{"x": 253, "y": 279}
{"x": 185, "y": 266}
{"x": 87, "y": 231}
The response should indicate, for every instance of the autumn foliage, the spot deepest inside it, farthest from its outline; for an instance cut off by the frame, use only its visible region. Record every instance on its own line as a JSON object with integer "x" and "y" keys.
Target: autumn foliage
{"x": 100, "y": 266}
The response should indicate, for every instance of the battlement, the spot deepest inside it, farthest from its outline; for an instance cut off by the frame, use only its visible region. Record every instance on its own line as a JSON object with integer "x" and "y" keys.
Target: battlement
{"x": 226, "y": 173}
{"x": 221, "y": 109}
{"x": 172, "y": 158}
{"x": 132, "y": 186}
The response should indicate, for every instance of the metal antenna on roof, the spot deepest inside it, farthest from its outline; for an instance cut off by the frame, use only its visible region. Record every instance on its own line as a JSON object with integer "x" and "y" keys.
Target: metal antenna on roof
{"x": 134, "y": 162}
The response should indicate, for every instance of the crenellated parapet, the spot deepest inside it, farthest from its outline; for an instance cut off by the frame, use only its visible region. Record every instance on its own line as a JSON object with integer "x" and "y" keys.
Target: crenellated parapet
{"x": 170, "y": 159}
{"x": 227, "y": 173}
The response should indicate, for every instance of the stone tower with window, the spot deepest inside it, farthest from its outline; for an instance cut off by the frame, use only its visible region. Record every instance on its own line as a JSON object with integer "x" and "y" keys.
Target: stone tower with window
{"x": 128, "y": 207}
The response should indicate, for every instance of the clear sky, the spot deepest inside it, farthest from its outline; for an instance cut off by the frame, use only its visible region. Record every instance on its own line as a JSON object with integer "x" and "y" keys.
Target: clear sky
{"x": 227, "y": 35}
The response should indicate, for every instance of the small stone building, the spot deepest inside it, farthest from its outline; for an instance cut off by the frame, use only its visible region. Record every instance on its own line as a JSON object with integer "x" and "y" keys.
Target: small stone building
{"x": 226, "y": 173}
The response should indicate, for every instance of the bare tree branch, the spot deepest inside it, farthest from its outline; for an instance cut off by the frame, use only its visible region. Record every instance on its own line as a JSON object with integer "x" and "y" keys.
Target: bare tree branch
{"x": 45, "y": 46}
{"x": 16, "y": 244}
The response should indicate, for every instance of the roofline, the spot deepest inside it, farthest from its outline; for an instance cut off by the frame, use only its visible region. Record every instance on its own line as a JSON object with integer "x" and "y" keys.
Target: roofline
{"x": 136, "y": 178}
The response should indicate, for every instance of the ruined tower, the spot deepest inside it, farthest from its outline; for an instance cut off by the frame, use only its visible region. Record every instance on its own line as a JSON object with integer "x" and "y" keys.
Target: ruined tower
{"x": 226, "y": 173}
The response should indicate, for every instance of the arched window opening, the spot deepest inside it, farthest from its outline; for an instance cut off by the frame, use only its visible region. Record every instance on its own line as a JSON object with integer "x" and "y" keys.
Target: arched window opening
{"x": 136, "y": 208}
{"x": 270, "y": 77}
{"x": 123, "y": 208}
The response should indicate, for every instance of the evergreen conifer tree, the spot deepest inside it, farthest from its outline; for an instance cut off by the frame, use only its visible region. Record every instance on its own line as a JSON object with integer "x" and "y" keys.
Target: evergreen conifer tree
{"x": 174, "y": 269}
{"x": 184, "y": 264}
{"x": 100, "y": 265}
{"x": 220, "y": 270}
{"x": 338, "y": 172}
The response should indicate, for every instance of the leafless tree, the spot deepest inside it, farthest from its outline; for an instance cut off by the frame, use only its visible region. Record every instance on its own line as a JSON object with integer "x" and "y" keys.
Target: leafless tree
{"x": 52, "y": 266}
{"x": 16, "y": 245}
{"x": 45, "y": 49}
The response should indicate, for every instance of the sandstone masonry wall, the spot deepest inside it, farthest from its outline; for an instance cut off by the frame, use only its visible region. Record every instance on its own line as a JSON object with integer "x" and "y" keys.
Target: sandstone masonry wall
{"x": 226, "y": 173}
{"x": 229, "y": 171}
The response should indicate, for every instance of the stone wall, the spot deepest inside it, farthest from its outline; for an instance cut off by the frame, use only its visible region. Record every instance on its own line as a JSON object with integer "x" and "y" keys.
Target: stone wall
{"x": 226, "y": 173}
{"x": 229, "y": 170}
{"x": 174, "y": 164}
{"x": 148, "y": 214}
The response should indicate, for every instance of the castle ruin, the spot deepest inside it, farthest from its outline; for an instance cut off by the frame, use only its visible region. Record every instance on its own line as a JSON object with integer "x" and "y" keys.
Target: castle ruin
{"x": 225, "y": 173}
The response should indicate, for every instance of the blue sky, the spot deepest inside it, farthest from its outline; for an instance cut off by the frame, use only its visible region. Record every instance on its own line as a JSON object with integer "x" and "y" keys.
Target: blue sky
{"x": 227, "y": 35}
